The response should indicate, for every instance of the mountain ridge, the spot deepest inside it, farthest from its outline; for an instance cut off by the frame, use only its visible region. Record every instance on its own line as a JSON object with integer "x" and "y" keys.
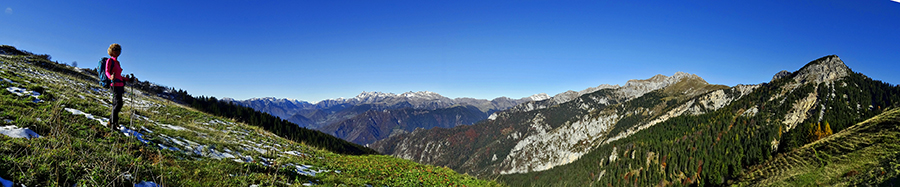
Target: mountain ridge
{"x": 539, "y": 133}
{"x": 359, "y": 119}
{"x": 716, "y": 146}
{"x": 540, "y": 139}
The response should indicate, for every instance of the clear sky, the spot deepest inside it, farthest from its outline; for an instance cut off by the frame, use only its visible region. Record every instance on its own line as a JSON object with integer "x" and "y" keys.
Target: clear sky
{"x": 483, "y": 49}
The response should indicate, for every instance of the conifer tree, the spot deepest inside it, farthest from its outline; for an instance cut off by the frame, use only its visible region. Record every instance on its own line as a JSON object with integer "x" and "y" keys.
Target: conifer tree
{"x": 819, "y": 132}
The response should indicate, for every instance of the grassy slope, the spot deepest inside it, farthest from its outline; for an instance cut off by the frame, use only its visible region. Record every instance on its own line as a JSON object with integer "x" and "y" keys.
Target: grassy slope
{"x": 866, "y": 153}
{"x": 76, "y": 150}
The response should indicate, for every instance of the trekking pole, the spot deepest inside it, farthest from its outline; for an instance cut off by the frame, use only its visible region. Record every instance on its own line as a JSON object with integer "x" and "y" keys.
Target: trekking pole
{"x": 131, "y": 121}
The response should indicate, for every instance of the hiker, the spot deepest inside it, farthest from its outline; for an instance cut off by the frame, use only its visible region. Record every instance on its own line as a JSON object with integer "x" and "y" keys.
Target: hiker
{"x": 114, "y": 71}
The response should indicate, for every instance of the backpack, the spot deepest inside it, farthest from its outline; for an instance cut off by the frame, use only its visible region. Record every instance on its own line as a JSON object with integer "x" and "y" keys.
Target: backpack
{"x": 101, "y": 71}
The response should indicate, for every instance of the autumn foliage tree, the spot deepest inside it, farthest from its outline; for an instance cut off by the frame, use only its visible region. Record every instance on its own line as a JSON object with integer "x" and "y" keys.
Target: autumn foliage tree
{"x": 816, "y": 132}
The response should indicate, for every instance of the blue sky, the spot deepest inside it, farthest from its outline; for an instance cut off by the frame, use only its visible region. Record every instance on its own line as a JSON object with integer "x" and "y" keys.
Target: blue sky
{"x": 313, "y": 51}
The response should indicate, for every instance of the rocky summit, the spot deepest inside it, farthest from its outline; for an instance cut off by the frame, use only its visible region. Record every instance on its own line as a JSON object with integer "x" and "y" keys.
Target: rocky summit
{"x": 825, "y": 69}
{"x": 781, "y": 74}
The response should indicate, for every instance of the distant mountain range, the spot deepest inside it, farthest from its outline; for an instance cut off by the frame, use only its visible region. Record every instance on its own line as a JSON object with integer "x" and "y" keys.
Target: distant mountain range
{"x": 372, "y": 116}
{"x": 660, "y": 131}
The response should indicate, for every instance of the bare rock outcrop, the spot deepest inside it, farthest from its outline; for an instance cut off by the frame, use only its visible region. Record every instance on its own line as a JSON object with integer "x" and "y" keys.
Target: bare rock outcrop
{"x": 781, "y": 74}
{"x": 825, "y": 69}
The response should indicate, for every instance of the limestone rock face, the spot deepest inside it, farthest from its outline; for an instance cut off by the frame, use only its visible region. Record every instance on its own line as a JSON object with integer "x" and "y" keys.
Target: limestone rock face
{"x": 825, "y": 69}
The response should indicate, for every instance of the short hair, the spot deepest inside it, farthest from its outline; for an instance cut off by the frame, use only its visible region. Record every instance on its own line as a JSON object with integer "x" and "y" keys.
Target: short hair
{"x": 114, "y": 48}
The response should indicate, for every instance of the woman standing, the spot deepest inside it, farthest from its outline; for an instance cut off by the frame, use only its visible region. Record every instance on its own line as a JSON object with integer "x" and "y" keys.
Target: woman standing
{"x": 114, "y": 71}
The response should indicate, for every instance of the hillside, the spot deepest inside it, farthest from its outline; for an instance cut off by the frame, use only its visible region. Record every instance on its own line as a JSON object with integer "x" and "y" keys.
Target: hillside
{"x": 662, "y": 131}
{"x": 539, "y": 135}
{"x": 715, "y": 148}
{"x": 865, "y": 153}
{"x": 52, "y": 135}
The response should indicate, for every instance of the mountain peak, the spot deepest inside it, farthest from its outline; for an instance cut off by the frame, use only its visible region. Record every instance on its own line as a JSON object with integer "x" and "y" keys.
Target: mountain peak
{"x": 781, "y": 74}
{"x": 368, "y": 95}
{"x": 825, "y": 69}
{"x": 635, "y": 88}
{"x": 539, "y": 97}
{"x": 422, "y": 95}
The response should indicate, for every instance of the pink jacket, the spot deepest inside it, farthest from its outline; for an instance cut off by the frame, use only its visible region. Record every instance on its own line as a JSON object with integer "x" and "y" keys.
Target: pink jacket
{"x": 114, "y": 72}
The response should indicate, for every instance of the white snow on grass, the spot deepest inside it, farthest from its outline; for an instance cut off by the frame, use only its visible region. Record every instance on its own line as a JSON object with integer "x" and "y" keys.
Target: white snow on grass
{"x": 297, "y": 153}
{"x": 305, "y": 169}
{"x": 16, "y": 132}
{"x": 247, "y": 142}
{"x": 103, "y": 121}
{"x": 10, "y": 81}
{"x": 23, "y": 92}
{"x": 173, "y": 127}
{"x": 19, "y": 91}
{"x": 145, "y": 129}
{"x": 219, "y": 155}
{"x": 129, "y": 132}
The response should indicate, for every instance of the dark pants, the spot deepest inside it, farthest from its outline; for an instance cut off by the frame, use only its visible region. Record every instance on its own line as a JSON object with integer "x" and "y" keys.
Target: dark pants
{"x": 117, "y": 105}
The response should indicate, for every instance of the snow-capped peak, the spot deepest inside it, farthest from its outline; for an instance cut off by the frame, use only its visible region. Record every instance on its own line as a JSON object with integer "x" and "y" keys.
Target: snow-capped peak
{"x": 374, "y": 95}
{"x": 422, "y": 95}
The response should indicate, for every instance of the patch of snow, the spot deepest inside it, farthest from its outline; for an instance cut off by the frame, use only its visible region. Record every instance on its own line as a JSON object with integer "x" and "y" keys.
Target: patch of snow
{"x": 305, "y": 169}
{"x": 266, "y": 161}
{"x": 145, "y": 129}
{"x": 244, "y": 159}
{"x": 161, "y": 146}
{"x": 22, "y": 92}
{"x": 103, "y": 121}
{"x": 10, "y": 81}
{"x": 16, "y": 132}
{"x": 130, "y": 132}
{"x": 296, "y": 153}
{"x": 173, "y": 127}
{"x": 215, "y": 154}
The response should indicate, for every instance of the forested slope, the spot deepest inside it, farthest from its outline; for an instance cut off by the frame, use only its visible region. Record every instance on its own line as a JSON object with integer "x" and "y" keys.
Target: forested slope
{"x": 865, "y": 153}
{"x": 716, "y": 148}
